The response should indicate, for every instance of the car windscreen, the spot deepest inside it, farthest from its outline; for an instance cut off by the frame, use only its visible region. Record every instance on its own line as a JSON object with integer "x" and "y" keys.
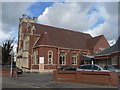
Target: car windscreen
{"x": 110, "y": 67}
{"x": 89, "y": 67}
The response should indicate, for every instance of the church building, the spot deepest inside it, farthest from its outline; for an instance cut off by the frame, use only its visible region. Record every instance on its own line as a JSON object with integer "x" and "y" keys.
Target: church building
{"x": 43, "y": 47}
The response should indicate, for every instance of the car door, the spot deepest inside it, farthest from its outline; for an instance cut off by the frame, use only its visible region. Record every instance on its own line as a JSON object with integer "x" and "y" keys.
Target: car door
{"x": 87, "y": 68}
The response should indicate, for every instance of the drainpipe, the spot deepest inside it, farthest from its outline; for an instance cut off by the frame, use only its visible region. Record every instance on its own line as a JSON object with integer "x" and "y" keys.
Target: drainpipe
{"x": 58, "y": 58}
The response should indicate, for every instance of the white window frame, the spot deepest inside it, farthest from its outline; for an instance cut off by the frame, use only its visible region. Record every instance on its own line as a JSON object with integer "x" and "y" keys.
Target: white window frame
{"x": 114, "y": 60}
{"x": 26, "y": 40}
{"x": 74, "y": 59}
{"x": 26, "y": 45}
{"x": 63, "y": 56}
{"x": 50, "y": 60}
{"x": 20, "y": 28}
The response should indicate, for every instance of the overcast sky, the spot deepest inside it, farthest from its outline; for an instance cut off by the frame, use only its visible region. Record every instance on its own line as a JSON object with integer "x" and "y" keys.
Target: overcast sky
{"x": 95, "y": 18}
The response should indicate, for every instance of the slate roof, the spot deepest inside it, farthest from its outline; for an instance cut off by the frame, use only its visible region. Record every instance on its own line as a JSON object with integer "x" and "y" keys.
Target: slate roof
{"x": 63, "y": 37}
{"x": 44, "y": 40}
{"x": 93, "y": 41}
{"x": 87, "y": 58}
{"x": 110, "y": 50}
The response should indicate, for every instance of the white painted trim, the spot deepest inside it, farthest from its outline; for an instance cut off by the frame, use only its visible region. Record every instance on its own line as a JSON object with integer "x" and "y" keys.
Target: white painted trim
{"x": 65, "y": 58}
{"x": 34, "y": 64}
{"x": 45, "y": 64}
{"x": 76, "y": 59}
{"x": 51, "y": 57}
{"x": 37, "y": 34}
{"x": 36, "y": 41}
{"x": 108, "y": 54}
{"x": 51, "y": 64}
{"x": 102, "y": 55}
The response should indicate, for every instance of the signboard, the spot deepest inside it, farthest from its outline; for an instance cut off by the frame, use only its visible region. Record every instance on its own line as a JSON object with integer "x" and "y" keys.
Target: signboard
{"x": 41, "y": 60}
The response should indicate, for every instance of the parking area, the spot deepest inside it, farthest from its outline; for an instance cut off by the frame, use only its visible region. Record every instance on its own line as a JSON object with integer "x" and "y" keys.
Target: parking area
{"x": 42, "y": 80}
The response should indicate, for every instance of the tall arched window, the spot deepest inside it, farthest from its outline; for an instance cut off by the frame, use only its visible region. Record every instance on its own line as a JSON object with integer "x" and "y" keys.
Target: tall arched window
{"x": 62, "y": 58}
{"x": 50, "y": 57}
{"x": 35, "y": 57}
{"x": 74, "y": 59}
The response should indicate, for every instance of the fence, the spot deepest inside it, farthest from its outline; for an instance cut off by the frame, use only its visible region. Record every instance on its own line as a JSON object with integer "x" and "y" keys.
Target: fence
{"x": 87, "y": 77}
{"x": 6, "y": 72}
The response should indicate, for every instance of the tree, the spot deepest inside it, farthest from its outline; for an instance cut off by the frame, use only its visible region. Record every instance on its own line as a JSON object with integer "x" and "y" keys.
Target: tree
{"x": 6, "y": 49}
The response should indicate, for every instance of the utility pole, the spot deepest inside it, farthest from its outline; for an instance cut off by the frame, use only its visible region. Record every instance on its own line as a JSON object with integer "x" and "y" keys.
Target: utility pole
{"x": 11, "y": 63}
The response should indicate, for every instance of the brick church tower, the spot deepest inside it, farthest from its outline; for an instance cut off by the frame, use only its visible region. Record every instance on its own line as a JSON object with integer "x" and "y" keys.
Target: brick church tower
{"x": 25, "y": 40}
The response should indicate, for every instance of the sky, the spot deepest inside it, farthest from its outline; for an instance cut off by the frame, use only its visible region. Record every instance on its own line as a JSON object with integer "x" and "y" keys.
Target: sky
{"x": 93, "y": 17}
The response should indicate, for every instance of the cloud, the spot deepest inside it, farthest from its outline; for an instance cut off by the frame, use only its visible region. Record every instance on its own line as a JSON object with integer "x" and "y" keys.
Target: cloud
{"x": 11, "y": 12}
{"x": 110, "y": 27}
{"x": 65, "y": 15}
{"x": 91, "y": 17}
{"x": 9, "y": 21}
{"x": 110, "y": 34}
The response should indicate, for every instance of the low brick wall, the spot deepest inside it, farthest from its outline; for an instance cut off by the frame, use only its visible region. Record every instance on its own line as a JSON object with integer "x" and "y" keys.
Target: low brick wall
{"x": 50, "y": 67}
{"x": 87, "y": 77}
{"x": 6, "y": 72}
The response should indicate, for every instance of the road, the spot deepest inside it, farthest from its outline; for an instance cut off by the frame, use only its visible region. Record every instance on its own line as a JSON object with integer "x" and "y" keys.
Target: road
{"x": 40, "y": 80}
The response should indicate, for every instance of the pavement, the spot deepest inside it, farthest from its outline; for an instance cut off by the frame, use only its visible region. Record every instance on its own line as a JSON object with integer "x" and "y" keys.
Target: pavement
{"x": 42, "y": 80}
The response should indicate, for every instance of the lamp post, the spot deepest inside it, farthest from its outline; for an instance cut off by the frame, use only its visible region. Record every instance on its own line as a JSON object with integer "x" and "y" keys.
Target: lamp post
{"x": 11, "y": 53}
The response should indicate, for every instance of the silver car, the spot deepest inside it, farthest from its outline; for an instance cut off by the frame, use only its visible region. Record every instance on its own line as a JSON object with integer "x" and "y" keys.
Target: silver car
{"x": 90, "y": 67}
{"x": 112, "y": 68}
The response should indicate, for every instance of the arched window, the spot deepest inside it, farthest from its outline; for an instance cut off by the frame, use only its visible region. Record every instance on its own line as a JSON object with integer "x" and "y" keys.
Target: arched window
{"x": 26, "y": 43}
{"x": 50, "y": 57}
{"x": 74, "y": 59}
{"x": 62, "y": 58}
{"x": 35, "y": 57}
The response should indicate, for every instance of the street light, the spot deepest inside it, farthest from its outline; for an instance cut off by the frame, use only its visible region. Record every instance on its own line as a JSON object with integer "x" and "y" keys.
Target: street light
{"x": 11, "y": 53}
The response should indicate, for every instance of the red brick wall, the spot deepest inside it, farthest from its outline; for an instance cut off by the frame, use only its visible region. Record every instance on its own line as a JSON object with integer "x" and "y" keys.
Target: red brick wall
{"x": 35, "y": 66}
{"x": 102, "y": 43}
{"x": 69, "y": 54}
{"x": 84, "y": 77}
{"x": 43, "y": 52}
{"x": 6, "y": 72}
{"x": 50, "y": 66}
{"x": 108, "y": 57}
{"x": 118, "y": 57}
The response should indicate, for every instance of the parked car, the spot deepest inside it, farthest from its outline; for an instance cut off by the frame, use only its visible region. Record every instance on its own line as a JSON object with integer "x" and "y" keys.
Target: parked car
{"x": 113, "y": 68}
{"x": 70, "y": 68}
{"x": 62, "y": 67}
{"x": 90, "y": 67}
{"x": 19, "y": 71}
